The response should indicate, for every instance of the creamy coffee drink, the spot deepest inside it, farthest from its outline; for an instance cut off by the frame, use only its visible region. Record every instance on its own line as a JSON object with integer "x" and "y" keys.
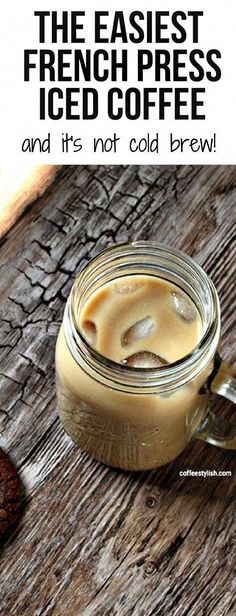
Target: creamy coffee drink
{"x": 141, "y": 321}
{"x": 137, "y": 357}
{"x": 137, "y": 321}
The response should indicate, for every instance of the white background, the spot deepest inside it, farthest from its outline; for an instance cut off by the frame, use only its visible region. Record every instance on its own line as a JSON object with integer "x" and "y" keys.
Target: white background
{"x": 20, "y": 101}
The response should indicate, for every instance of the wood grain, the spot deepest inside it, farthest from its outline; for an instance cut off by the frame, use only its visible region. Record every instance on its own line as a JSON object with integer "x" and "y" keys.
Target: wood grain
{"x": 95, "y": 541}
{"x": 19, "y": 187}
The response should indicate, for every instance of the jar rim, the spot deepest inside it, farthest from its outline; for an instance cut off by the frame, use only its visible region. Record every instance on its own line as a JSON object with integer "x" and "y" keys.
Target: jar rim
{"x": 120, "y": 375}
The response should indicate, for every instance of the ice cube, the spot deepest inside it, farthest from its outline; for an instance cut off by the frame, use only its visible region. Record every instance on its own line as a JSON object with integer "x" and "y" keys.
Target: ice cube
{"x": 141, "y": 329}
{"x": 127, "y": 287}
{"x": 183, "y": 307}
{"x": 90, "y": 332}
{"x": 145, "y": 359}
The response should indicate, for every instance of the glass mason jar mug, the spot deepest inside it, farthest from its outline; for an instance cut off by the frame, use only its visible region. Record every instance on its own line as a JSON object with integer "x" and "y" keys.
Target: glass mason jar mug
{"x": 142, "y": 418}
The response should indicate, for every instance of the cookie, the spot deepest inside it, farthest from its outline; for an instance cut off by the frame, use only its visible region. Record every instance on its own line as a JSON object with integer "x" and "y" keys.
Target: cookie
{"x": 9, "y": 493}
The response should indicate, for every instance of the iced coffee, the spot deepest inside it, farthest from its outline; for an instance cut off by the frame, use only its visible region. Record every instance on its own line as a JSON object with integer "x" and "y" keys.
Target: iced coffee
{"x": 137, "y": 326}
{"x": 141, "y": 321}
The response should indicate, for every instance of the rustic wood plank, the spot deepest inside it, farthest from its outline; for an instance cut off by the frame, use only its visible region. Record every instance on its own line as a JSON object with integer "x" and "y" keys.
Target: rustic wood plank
{"x": 19, "y": 187}
{"x": 94, "y": 540}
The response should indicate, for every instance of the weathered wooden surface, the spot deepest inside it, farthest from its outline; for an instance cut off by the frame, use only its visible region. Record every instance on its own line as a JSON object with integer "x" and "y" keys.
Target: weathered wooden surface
{"x": 95, "y": 541}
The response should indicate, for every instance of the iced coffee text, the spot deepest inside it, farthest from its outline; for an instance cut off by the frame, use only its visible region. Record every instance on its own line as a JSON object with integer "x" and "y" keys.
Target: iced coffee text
{"x": 134, "y": 65}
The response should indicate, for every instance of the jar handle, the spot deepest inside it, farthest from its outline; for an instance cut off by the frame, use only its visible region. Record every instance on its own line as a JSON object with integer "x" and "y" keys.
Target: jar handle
{"x": 213, "y": 429}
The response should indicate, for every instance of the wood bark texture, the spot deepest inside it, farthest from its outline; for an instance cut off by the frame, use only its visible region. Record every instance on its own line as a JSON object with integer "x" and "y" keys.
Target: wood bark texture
{"x": 95, "y": 541}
